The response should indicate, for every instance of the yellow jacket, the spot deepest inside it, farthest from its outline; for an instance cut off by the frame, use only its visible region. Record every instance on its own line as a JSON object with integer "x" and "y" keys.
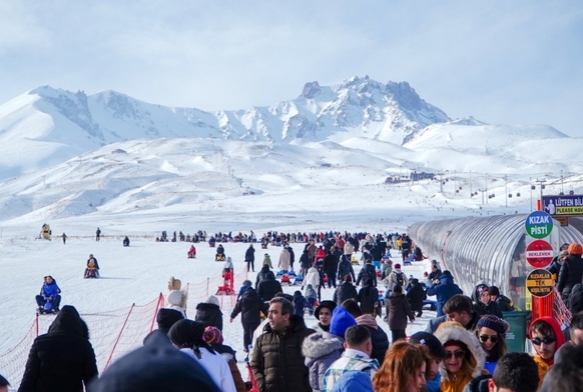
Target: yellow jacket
{"x": 457, "y": 382}
{"x": 543, "y": 369}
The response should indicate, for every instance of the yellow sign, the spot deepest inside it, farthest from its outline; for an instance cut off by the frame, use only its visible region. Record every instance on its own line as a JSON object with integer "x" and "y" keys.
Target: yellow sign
{"x": 568, "y": 210}
{"x": 540, "y": 283}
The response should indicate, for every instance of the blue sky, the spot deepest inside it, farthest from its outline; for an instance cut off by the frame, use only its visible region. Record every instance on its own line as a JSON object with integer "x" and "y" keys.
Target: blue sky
{"x": 510, "y": 62}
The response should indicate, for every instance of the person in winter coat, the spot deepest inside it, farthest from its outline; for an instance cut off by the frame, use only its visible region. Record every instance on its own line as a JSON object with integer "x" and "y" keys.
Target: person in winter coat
{"x": 368, "y": 271}
{"x": 345, "y": 268}
{"x": 246, "y": 284}
{"x": 263, "y": 274}
{"x": 437, "y": 354}
{"x": 571, "y": 271}
{"x": 397, "y": 277}
{"x": 187, "y": 336}
{"x": 348, "y": 250}
{"x": 209, "y": 313}
{"x": 311, "y": 296}
{"x": 330, "y": 267}
{"x": 416, "y": 295}
{"x": 368, "y": 298}
{"x": 63, "y": 359}
{"x": 292, "y": 257}
{"x": 323, "y": 314}
{"x": 49, "y": 293}
{"x": 250, "y": 306}
{"x": 386, "y": 268}
{"x": 284, "y": 260}
{"x": 398, "y": 311}
{"x": 491, "y": 331}
{"x": 176, "y": 298}
{"x": 464, "y": 357}
{"x": 279, "y": 344}
{"x": 444, "y": 289}
{"x": 483, "y": 303}
{"x": 345, "y": 291}
{"x": 305, "y": 263}
{"x": 353, "y": 380}
{"x": 312, "y": 250}
{"x": 250, "y": 258}
{"x": 546, "y": 337}
{"x": 267, "y": 261}
{"x": 504, "y": 303}
{"x": 214, "y": 337}
{"x": 321, "y": 349}
{"x": 300, "y": 303}
{"x": 313, "y": 277}
{"x": 268, "y": 288}
{"x": 379, "y": 339}
{"x": 320, "y": 253}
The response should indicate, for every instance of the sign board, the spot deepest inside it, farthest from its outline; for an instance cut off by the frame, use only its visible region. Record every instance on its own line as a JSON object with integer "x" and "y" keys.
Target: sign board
{"x": 539, "y": 253}
{"x": 539, "y": 224}
{"x": 563, "y": 205}
{"x": 540, "y": 283}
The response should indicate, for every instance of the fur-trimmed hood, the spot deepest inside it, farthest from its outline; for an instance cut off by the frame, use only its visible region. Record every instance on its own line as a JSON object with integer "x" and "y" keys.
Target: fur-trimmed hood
{"x": 320, "y": 344}
{"x": 454, "y": 331}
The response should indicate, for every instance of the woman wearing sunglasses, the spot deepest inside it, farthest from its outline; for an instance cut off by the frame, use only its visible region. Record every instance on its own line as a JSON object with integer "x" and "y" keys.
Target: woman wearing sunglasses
{"x": 490, "y": 331}
{"x": 464, "y": 357}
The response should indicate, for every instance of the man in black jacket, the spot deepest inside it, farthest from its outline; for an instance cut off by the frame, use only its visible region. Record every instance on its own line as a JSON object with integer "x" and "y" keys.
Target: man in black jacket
{"x": 249, "y": 305}
{"x": 268, "y": 288}
{"x": 330, "y": 267}
{"x": 367, "y": 271}
{"x": 250, "y": 258}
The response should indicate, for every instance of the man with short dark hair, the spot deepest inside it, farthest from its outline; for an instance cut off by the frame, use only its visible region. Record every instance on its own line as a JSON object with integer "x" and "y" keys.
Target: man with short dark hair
{"x": 356, "y": 356}
{"x": 281, "y": 343}
{"x": 379, "y": 338}
{"x": 457, "y": 308}
{"x": 515, "y": 372}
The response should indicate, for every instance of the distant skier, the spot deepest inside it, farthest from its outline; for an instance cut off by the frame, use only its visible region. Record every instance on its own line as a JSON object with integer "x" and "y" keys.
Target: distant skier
{"x": 64, "y": 238}
{"x": 97, "y": 234}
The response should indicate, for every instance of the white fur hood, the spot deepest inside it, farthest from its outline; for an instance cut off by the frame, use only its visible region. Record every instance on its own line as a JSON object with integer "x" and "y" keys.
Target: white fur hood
{"x": 317, "y": 345}
{"x": 454, "y": 331}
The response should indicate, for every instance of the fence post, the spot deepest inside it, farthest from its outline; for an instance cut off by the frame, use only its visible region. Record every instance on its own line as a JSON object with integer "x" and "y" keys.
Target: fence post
{"x": 158, "y": 306}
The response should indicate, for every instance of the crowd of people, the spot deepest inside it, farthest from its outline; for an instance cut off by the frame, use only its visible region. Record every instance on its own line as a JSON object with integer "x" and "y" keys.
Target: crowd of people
{"x": 462, "y": 349}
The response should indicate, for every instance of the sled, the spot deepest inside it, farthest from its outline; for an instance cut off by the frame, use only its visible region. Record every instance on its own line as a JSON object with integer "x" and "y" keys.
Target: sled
{"x": 354, "y": 261}
{"x": 263, "y": 246}
{"x": 191, "y": 255}
{"x": 285, "y": 279}
{"x": 299, "y": 279}
{"x": 212, "y": 244}
{"x": 220, "y": 258}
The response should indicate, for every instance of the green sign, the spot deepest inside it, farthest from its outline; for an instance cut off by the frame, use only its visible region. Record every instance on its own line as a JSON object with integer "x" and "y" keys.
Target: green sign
{"x": 539, "y": 224}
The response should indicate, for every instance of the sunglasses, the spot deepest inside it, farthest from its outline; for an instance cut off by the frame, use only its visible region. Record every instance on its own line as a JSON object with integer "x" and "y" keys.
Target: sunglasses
{"x": 458, "y": 354}
{"x": 493, "y": 338}
{"x": 546, "y": 340}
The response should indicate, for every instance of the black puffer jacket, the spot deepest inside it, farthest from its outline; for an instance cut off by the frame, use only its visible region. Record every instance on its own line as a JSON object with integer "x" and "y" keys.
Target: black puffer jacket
{"x": 263, "y": 274}
{"x": 571, "y": 274}
{"x": 209, "y": 314}
{"x": 345, "y": 291}
{"x": 368, "y": 297}
{"x": 416, "y": 295}
{"x": 268, "y": 288}
{"x": 345, "y": 268}
{"x": 62, "y": 360}
{"x": 249, "y": 305}
{"x": 277, "y": 361}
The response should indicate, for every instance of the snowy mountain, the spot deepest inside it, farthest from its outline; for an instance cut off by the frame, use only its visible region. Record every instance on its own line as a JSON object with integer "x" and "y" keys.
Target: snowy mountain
{"x": 312, "y": 159}
{"x": 49, "y": 125}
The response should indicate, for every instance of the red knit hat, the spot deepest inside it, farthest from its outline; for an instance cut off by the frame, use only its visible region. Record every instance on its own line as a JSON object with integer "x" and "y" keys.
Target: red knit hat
{"x": 212, "y": 335}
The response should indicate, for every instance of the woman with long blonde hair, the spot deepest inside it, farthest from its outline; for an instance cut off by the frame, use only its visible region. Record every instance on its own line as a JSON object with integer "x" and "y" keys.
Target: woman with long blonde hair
{"x": 404, "y": 369}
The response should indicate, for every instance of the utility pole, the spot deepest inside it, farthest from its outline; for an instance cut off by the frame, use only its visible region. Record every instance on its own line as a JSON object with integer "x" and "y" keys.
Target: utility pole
{"x": 562, "y": 189}
{"x": 506, "y": 189}
{"x": 540, "y": 183}
{"x": 482, "y": 190}
{"x": 486, "y": 186}
{"x": 471, "y": 192}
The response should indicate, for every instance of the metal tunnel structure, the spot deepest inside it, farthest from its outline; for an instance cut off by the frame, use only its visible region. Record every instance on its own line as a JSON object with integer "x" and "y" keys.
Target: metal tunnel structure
{"x": 490, "y": 249}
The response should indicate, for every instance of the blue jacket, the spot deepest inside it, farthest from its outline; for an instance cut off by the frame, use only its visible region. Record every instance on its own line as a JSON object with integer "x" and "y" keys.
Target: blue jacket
{"x": 445, "y": 289}
{"x": 50, "y": 290}
{"x": 353, "y": 381}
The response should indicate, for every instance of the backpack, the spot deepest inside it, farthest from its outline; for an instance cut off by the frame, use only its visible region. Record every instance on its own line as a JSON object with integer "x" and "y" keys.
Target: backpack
{"x": 400, "y": 279}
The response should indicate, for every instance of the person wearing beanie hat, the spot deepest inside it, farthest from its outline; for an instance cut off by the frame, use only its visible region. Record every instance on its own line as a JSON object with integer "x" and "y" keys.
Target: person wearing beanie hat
{"x": 214, "y": 337}
{"x": 250, "y": 306}
{"x": 209, "y": 313}
{"x": 166, "y": 318}
{"x": 345, "y": 291}
{"x": 491, "y": 331}
{"x": 504, "y": 303}
{"x": 155, "y": 367}
{"x": 483, "y": 303}
{"x": 571, "y": 271}
{"x": 437, "y": 353}
{"x": 187, "y": 336}
{"x": 464, "y": 357}
{"x": 323, "y": 314}
{"x": 368, "y": 298}
{"x": 397, "y": 277}
{"x": 323, "y": 348}
{"x": 546, "y": 338}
